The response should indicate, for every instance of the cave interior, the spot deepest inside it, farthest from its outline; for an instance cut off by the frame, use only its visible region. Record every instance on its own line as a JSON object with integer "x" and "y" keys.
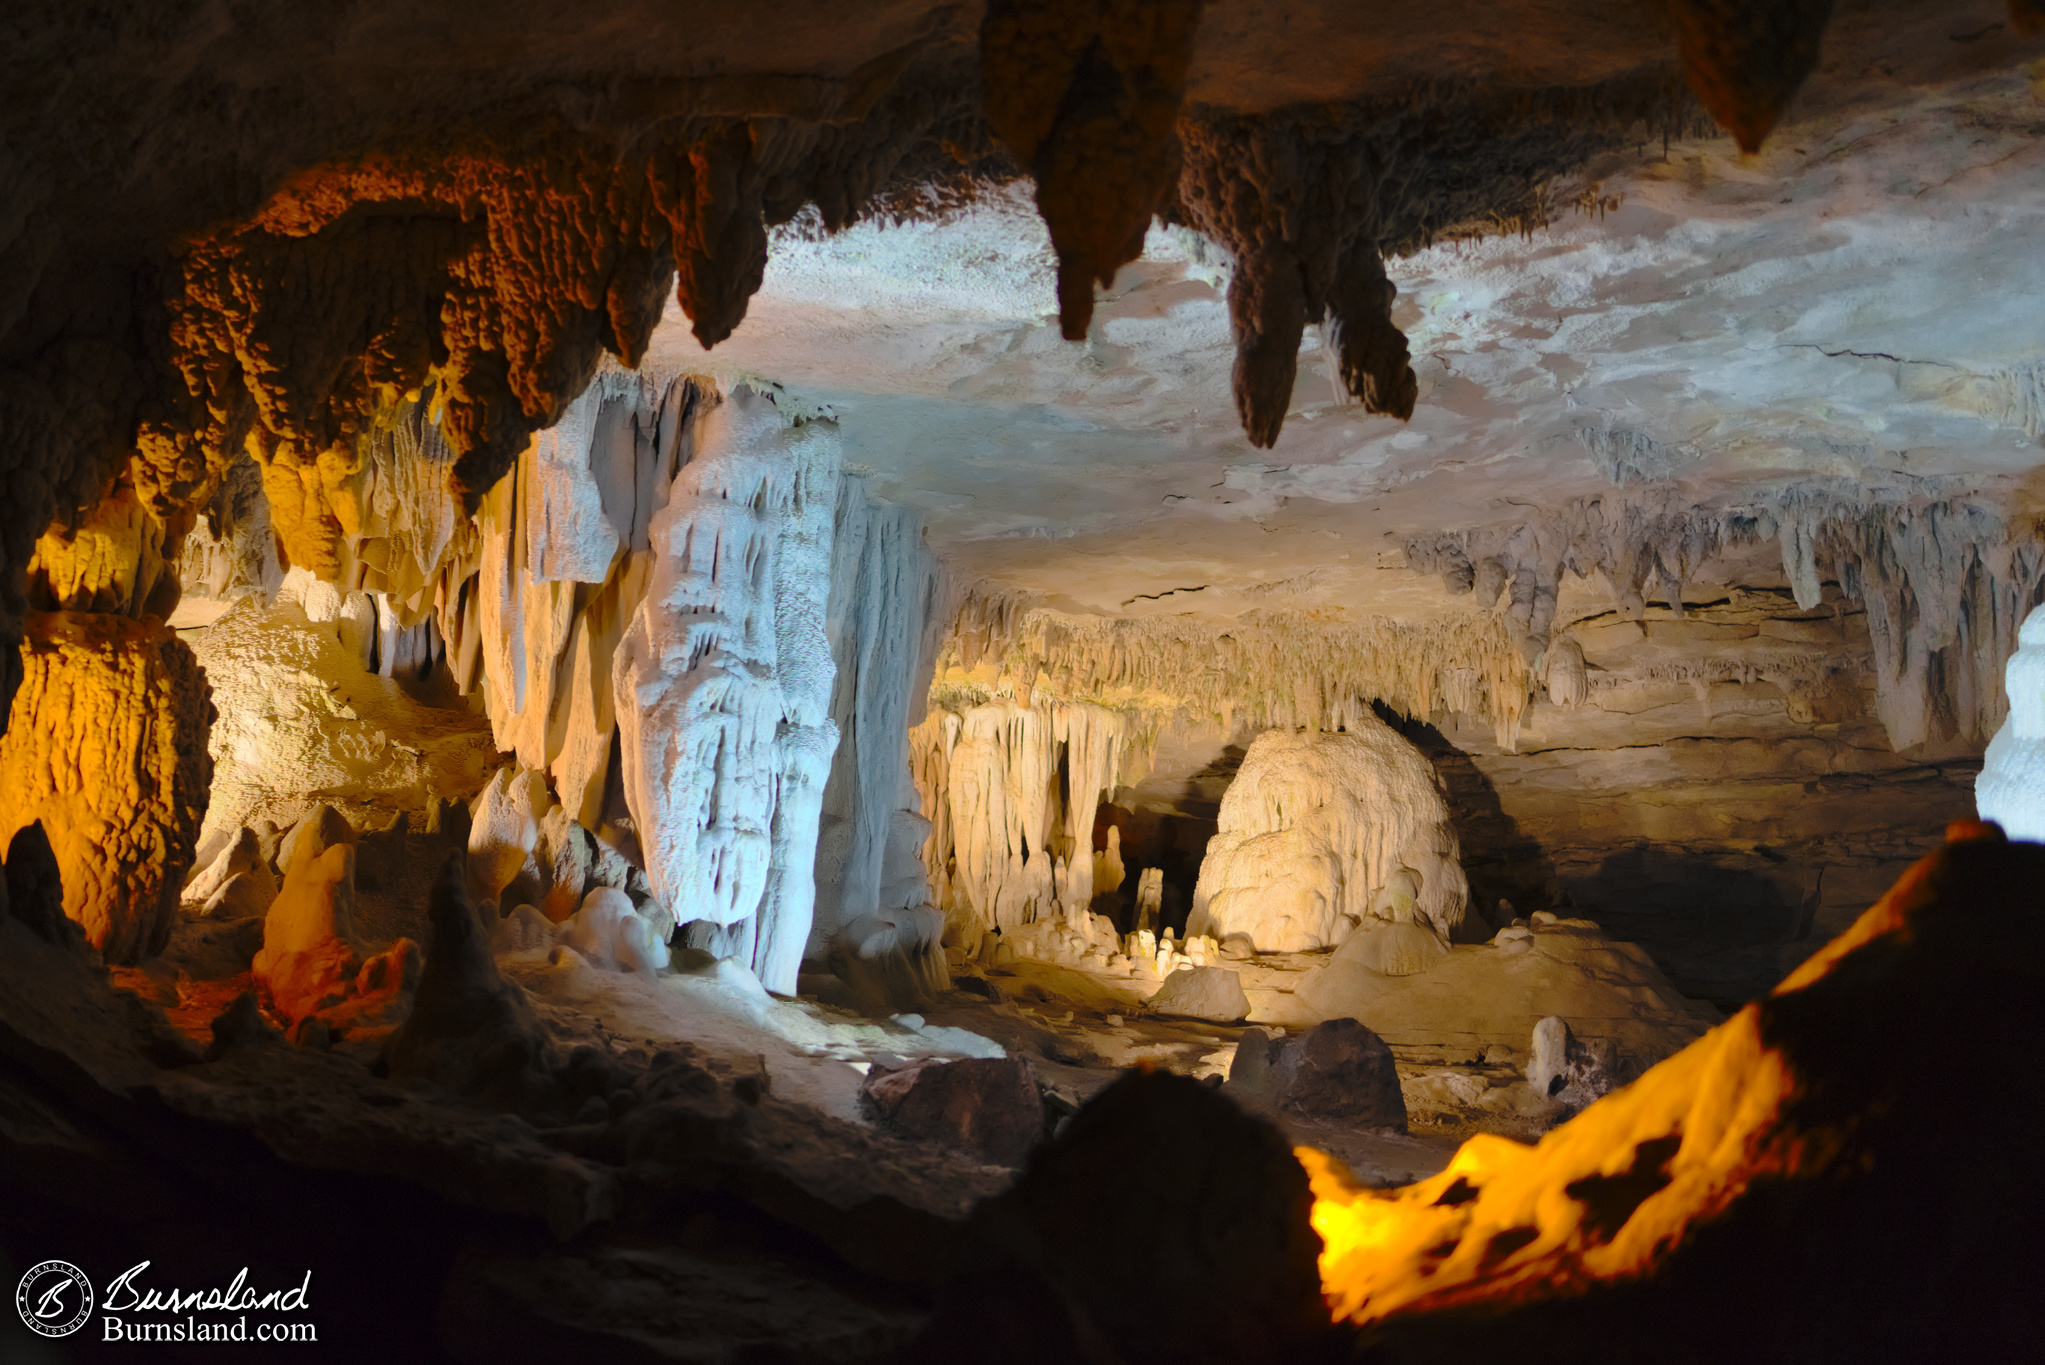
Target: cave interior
{"x": 1026, "y": 680}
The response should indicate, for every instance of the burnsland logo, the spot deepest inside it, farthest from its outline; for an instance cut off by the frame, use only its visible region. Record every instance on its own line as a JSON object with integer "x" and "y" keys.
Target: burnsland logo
{"x": 55, "y": 1299}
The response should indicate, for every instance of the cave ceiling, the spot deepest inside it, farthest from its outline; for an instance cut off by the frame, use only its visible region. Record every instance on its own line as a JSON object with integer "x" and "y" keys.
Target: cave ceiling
{"x": 1853, "y": 306}
{"x": 1601, "y": 294}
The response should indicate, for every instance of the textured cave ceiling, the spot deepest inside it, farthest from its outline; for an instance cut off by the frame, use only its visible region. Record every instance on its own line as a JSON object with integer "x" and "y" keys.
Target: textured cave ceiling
{"x": 1855, "y": 305}
{"x": 1652, "y": 309}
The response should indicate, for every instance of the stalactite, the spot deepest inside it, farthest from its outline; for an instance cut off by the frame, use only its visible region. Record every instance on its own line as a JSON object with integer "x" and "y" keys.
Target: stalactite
{"x": 1744, "y": 59}
{"x": 1085, "y": 93}
{"x": 1311, "y": 199}
{"x": 1276, "y": 669}
{"x": 1010, "y": 792}
{"x": 1945, "y": 578}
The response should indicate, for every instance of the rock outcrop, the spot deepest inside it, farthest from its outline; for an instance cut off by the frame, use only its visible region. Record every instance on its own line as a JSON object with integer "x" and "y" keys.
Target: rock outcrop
{"x": 1818, "y": 1107}
{"x": 1157, "y": 1161}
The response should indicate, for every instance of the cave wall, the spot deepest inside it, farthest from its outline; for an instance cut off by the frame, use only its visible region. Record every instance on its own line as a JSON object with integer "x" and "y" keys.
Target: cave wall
{"x": 1720, "y": 782}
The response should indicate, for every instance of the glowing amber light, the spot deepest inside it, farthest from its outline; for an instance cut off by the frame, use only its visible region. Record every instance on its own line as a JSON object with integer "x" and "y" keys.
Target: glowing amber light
{"x": 1603, "y": 1197}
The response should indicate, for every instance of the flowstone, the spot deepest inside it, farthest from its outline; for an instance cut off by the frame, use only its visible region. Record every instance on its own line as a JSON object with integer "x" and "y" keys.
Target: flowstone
{"x": 1314, "y": 827}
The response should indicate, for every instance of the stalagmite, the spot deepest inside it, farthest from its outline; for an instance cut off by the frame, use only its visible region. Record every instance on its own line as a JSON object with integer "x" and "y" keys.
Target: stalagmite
{"x": 105, "y": 746}
{"x": 723, "y": 679}
{"x": 2011, "y": 787}
{"x": 1314, "y": 826}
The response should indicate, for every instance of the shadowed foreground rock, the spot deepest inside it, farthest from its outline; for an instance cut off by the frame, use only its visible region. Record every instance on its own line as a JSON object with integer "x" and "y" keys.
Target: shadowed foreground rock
{"x": 1163, "y": 1224}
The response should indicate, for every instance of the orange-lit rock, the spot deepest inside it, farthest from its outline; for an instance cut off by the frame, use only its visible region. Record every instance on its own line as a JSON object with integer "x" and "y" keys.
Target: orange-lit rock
{"x": 311, "y": 959}
{"x": 1799, "y": 1101}
{"x": 106, "y": 745}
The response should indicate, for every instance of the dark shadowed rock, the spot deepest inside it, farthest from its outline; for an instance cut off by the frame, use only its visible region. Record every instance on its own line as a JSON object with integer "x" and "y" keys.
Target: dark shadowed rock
{"x": 35, "y": 886}
{"x": 1337, "y": 1072}
{"x": 987, "y": 1107}
{"x": 1163, "y": 1224}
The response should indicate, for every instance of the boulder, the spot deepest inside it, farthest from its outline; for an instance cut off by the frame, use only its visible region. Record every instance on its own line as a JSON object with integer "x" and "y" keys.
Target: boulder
{"x": 1163, "y": 1224}
{"x": 986, "y": 1107}
{"x": 1211, "y": 993}
{"x": 1337, "y": 1072}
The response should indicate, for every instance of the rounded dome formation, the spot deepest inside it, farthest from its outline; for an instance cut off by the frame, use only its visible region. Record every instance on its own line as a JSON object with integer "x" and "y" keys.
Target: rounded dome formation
{"x": 1314, "y": 826}
{"x": 2011, "y": 788}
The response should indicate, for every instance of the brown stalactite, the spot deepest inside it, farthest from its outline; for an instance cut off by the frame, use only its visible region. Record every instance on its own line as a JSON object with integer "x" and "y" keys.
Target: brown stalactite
{"x": 1311, "y": 199}
{"x": 106, "y": 746}
{"x": 499, "y": 277}
{"x": 1086, "y": 94}
{"x": 1367, "y": 351}
{"x": 1744, "y": 59}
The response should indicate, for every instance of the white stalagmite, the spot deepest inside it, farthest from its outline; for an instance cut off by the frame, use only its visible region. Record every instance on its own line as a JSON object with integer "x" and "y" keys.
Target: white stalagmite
{"x": 723, "y": 680}
{"x": 1314, "y": 825}
{"x": 885, "y": 610}
{"x": 2011, "y": 788}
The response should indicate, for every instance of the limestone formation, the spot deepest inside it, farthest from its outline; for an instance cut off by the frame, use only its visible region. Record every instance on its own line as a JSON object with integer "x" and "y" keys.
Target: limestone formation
{"x": 1156, "y": 1161}
{"x": 1744, "y": 60}
{"x": 609, "y": 931}
{"x": 1211, "y": 993}
{"x": 312, "y": 963}
{"x": 303, "y": 721}
{"x": 1944, "y": 583}
{"x": 1271, "y": 669}
{"x": 237, "y": 884}
{"x": 723, "y": 680}
{"x": 503, "y": 829}
{"x": 1314, "y": 827}
{"x": 1566, "y": 1069}
{"x": 106, "y": 748}
{"x": 2011, "y": 787}
{"x": 1086, "y": 96}
{"x": 1484, "y": 995}
{"x": 1729, "y": 1133}
{"x": 469, "y": 1029}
